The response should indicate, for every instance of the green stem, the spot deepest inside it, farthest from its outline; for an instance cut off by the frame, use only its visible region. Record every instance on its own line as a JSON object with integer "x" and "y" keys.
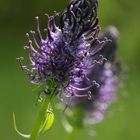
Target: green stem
{"x": 72, "y": 135}
{"x": 40, "y": 118}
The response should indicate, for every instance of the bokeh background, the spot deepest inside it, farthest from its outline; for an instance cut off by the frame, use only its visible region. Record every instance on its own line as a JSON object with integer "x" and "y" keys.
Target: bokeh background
{"x": 16, "y": 93}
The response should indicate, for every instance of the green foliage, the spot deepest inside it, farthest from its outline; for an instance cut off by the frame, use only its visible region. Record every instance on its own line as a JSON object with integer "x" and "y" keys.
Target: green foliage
{"x": 49, "y": 119}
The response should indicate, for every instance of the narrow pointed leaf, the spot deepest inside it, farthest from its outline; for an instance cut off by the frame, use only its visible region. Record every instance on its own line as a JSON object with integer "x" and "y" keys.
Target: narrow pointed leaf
{"x": 48, "y": 121}
{"x": 16, "y": 129}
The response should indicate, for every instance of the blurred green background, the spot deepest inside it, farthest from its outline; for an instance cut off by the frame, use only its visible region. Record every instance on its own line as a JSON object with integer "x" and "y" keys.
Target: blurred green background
{"x": 16, "y": 94}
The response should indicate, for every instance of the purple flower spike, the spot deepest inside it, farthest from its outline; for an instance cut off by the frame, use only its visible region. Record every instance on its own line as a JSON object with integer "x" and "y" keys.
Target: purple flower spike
{"x": 76, "y": 56}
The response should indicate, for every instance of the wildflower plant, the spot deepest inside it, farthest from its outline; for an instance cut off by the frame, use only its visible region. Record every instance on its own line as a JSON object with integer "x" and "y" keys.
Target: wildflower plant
{"x": 76, "y": 62}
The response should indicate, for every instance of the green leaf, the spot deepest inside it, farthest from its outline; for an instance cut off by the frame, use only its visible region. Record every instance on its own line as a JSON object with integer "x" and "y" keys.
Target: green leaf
{"x": 16, "y": 129}
{"x": 48, "y": 121}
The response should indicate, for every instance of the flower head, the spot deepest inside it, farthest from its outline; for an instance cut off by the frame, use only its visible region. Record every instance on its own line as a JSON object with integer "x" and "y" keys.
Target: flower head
{"x": 75, "y": 56}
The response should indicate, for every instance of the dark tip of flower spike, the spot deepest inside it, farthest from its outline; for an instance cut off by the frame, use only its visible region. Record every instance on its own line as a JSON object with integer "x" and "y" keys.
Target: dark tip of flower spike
{"x": 80, "y": 16}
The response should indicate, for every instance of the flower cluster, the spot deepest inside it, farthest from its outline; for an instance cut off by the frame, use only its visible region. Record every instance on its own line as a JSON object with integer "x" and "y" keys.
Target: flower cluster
{"x": 74, "y": 55}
